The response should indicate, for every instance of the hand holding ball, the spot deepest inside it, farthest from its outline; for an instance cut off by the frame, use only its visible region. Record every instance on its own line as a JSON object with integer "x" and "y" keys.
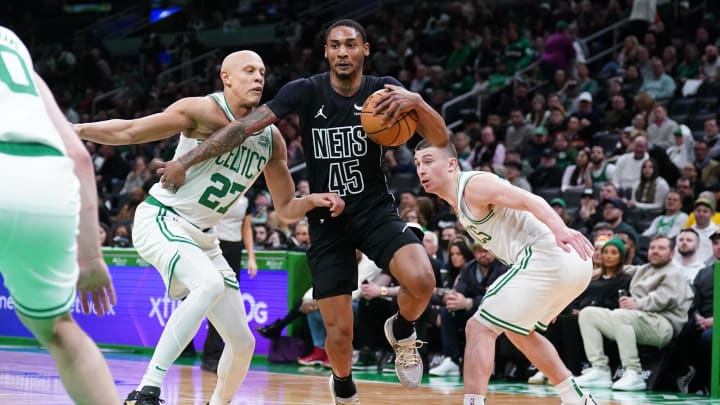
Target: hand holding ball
{"x": 396, "y": 134}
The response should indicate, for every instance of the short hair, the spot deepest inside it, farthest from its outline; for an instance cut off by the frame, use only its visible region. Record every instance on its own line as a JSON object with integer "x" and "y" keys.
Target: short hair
{"x": 449, "y": 149}
{"x": 690, "y": 230}
{"x": 669, "y": 239}
{"x": 346, "y": 22}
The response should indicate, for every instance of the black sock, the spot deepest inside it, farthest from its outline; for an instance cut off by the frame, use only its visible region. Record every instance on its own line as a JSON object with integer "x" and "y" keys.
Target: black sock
{"x": 344, "y": 387}
{"x": 402, "y": 328}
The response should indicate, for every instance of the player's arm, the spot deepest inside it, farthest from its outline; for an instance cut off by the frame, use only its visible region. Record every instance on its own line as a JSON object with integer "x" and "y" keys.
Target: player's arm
{"x": 398, "y": 101}
{"x": 492, "y": 191}
{"x": 94, "y": 277}
{"x": 174, "y": 119}
{"x": 249, "y": 243}
{"x": 282, "y": 188}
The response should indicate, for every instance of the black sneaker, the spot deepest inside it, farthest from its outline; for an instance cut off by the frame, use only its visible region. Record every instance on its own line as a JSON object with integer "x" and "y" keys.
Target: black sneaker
{"x": 210, "y": 364}
{"x": 146, "y": 396}
{"x": 271, "y": 331}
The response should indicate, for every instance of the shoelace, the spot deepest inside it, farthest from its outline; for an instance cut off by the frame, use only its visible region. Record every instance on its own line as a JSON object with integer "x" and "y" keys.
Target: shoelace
{"x": 150, "y": 398}
{"x": 406, "y": 354}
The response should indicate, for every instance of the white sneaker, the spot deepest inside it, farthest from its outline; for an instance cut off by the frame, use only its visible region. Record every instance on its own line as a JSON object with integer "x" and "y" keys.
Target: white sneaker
{"x": 594, "y": 378}
{"x": 538, "y": 379}
{"x": 408, "y": 364}
{"x": 630, "y": 381}
{"x": 587, "y": 399}
{"x": 446, "y": 368}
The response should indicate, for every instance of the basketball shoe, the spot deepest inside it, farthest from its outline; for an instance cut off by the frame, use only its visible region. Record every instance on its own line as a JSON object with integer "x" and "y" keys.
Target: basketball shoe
{"x": 587, "y": 399}
{"x": 353, "y": 400}
{"x": 146, "y": 396}
{"x": 408, "y": 364}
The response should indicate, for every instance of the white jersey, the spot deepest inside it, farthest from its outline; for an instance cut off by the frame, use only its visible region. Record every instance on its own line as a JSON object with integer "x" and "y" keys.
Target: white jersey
{"x": 22, "y": 110}
{"x": 213, "y": 186}
{"x": 503, "y": 231}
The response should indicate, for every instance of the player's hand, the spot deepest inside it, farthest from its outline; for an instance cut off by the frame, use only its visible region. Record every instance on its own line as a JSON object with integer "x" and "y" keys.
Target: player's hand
{"x": 173, "y": 174}
{"x": 308, "y": 307}
{"x": 252, "y": 268}
{"x": 570, "y": 238}
{"x": 94, "y": 280}
{"x": 330, "y": 200}
{"x": 394, "y": 103}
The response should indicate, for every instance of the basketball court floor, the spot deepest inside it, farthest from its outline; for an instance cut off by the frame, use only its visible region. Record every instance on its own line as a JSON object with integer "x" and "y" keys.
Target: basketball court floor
{"x": 27, "y": 376}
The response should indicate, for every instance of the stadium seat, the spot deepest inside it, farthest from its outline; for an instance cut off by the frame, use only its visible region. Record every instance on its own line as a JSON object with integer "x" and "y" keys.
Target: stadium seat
{"x": 548, "y": 193}
{"x": 606, "y": 139}
{"x": 707, "y": 104}
{"x": 697, "y": 122}
{"x": 572, "y": 197}
{"x": 403, "y": 182}
{"x": 683, "y": 106}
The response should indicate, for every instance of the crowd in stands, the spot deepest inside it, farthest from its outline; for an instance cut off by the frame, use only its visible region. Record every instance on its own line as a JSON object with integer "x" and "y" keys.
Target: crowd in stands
{"x": 626, "y": 149}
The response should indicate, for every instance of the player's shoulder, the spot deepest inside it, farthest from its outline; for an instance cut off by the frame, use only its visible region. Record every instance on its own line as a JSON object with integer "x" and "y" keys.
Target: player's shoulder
{"x": 378, "y": 82}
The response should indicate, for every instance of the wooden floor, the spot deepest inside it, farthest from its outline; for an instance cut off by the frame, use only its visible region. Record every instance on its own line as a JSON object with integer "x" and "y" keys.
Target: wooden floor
{"x": 29, "y": 377}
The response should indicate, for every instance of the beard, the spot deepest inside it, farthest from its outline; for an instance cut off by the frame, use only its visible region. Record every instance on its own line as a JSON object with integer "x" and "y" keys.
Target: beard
{"x": 687, "y": 252}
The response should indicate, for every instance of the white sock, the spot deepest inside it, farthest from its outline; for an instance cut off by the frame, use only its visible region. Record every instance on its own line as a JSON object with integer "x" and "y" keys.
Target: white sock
{"x": 474, "y": 399}
{"x": 569, "y": 391}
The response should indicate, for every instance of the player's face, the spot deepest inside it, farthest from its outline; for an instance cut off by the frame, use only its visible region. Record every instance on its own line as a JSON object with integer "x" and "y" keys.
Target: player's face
{"x": 433, "y": 168}
{"x": 248, "y": 80}
{"x": 345, "y": 52}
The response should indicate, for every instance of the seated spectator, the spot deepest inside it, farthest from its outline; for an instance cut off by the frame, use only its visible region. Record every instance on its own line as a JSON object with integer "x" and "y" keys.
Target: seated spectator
{"x": 685, "y": 259}
{"x": 121, "y": 237}
{"x": 587, "y": 214}
{"x": 488, "y": 150}
{"x": 712, "y": 136}
{"x": 703, "y": 212}
{"x": 513, "y": 174}
{"x": 694, "y": 346}
{"x": 660, "y": 130}
{"x": 533, "y": 150}
{"x": 585, "y": 81}
{"x": 681, "y": 152}
{"x": 564, "y": 151}
{"x": 652, "y": 314}
{"x": 137, "y": 177}
{"x": 613, "y": 212}
{"x": 589, "y": 118}
{"x": 707, "y": 167}
{"x": 710, "y": 68}
{"x": 632, "y": 80}
{"x": 556, "y": 123}
{"x": 560, "y": 206}
{"x": 539, "y": 112}
{"x": 601, "y": 170}
{"x": 548, "y": 175}
{"x": 602, "y": 292}
{"x": 461, "y": 302}
{"x": 650, "y": 191}
{"x": 689, "y": 67}
{"x": 618, "y": 116}
{"x": 672, "y": 221}
{"x": 685, "y": 188}
{"x": 127, "y": 211}
{"x": 628, "y": 166}
{"x": 261, "y": 231}
{"x": 518, "y": 132}
{"x": 577, "y": 176}
{"x": 658, "y": 84}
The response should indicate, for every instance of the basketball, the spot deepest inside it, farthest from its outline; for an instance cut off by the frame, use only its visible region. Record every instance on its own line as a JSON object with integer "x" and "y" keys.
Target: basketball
{"x": 395, "y": 135}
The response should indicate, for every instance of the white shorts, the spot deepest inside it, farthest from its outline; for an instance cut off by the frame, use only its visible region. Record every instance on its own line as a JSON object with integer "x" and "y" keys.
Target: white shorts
{"x": 39, "y": 206}
{"x": 166, "y": 240}
{"x": 535, "y": 289}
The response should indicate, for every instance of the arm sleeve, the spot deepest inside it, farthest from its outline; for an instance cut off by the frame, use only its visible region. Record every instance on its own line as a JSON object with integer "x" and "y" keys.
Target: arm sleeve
{"x": 290, "y": 97}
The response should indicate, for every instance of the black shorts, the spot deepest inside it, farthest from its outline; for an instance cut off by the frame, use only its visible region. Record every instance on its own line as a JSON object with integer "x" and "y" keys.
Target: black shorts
{"x": 377, "y": 230}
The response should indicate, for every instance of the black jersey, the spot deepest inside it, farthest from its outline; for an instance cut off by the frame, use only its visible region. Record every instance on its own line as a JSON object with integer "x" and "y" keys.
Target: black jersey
{"x": 339, "y": 156}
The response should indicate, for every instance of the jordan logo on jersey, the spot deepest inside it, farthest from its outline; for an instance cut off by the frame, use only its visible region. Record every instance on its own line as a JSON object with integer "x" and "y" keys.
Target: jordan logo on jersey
{"x": 320, "y": 112}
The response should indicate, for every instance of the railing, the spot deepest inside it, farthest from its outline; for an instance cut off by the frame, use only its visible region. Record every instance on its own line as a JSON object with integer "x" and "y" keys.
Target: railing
{"x": 616, "y": 44}
{"x": 96, "y": 27}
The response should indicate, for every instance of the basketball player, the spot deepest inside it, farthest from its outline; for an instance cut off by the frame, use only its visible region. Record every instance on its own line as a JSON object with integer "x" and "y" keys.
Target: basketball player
{"x": 173, "y": 231}
{"x": 340, "y": 158}
{"x": 551, "y": 266}
{"x": 48, "y": 202}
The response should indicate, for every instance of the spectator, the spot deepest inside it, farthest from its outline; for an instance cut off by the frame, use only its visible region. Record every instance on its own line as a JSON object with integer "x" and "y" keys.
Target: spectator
{"x": 548, "y": 175}
{"x": 577, "y": 176}
{"x": 558, "y": 51}
{"x": 539, "y": 112}
{"x": 261, "y": 232}
{"x": 461, "y": 302}
{"x": 589, "y": 118}
{"x": 672, "y": 221}
{"x": 565, "y": 152}
{"x": 513, "y": 174}
{"x": 654, "y": 312}
{"x": 632, "y": 80}
{"x": 560, "y": 207}
{"x": 712, "y": 136}
{"x": 517, "y": 53}
{"x": 518, "y": 133}
{"x": 600, "y": 169}
{"x": 556, "y": 122}
{"x": 703, "y": 212}
{"x": 650, "y": 191}
{"x": 137, "y": 177}
{"x": 681, "y": 152}
{"x": 710, "y": 68}
{"x": 618, "y": 116}
{"x": 685, "y": 259}
{"x": 587, "y": 214}
{"x": 613, "y": 212}
{"x": 585, "y": 82}
{"x": 488, "y": 150}
{"x": 660, "y": 131}
{"x": 694, "y": 346}
{"x": 629, "y": 165}
{"x": 689, "y": 67}
{"x": 658, "y": 84}
{"x": 707, "y": 167}
{"x": 684, "y": 187}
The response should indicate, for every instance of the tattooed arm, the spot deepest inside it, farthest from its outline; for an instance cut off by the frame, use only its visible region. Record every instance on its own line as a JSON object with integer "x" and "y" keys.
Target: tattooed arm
{"x": 223, "y": 140}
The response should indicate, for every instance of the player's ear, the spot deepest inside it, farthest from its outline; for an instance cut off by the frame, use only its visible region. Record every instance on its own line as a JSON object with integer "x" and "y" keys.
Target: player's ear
{"x": 325, "y": 51}
{"x": 225, "y": 77}
{"x": 366, "y": 46}
{"x": 452, "y": 164}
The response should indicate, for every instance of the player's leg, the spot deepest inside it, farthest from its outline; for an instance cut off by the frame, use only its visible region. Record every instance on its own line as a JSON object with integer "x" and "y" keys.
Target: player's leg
{"x": 228, "y": 316}
{"x": 478, "y": 360}
{"x": 337, "y": 315}
{"x": 77, "y": 359}
{"x": 411, "y": 267}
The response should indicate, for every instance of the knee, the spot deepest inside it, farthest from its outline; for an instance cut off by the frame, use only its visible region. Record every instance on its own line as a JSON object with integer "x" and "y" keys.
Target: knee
{"x": 422, "y": 284}
{"x": 621, "y": 316}
{"x": 241, "y": 340}
{"x": 475, "y": 330}
{"x": 339, "y": 332}
{"x": 211, "y": 289}
{"x": 52, "y": 331}
{"x": 587, "y": 315}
